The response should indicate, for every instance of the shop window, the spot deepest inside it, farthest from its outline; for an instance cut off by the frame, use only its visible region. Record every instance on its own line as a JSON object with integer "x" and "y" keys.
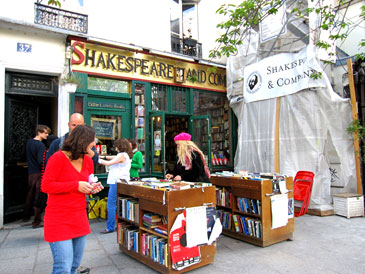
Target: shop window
{"x": 179, "y": 99}
{"x": 217, "y": 107}
{"x": 157, "y": 145}
{"x": 140, "y": 122}
{"x": 158, "y": 97}
{"x": 108, "y": 128}
{"x": 79, "y": 104}
{"x": 111, "y": 85}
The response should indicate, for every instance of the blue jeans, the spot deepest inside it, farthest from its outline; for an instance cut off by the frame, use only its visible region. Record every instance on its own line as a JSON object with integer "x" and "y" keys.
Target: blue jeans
{"x": 67, "y": 255}
{"x": 111, "y": 207}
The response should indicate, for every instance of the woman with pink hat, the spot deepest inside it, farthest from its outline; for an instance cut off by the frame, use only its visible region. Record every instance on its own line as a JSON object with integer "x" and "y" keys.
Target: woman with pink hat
{"x": 191, "y": 165}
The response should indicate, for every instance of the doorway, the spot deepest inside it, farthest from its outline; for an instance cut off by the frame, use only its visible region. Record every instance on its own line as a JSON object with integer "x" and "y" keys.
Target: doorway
{"x": 164, "y": 128}
{"x": 22, "y": 115}
{"x": 174, "y": 126}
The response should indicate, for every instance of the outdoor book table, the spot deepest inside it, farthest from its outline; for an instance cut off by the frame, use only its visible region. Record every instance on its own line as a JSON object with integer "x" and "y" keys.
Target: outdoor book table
{"x": 245, "y": 206}
{"x": 146, "y": 218}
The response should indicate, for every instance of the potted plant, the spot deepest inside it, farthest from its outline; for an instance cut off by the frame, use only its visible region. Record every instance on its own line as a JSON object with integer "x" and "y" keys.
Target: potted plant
{"x": 70, "y": 82}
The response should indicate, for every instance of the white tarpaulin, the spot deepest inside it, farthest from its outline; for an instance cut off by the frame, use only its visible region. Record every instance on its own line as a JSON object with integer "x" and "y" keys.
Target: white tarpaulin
{"x": 312, "y": 135}
{"x": 280, "y": 75}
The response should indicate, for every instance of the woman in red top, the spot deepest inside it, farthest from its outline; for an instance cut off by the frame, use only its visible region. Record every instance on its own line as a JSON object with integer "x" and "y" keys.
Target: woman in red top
{"x": 66, "y": 181}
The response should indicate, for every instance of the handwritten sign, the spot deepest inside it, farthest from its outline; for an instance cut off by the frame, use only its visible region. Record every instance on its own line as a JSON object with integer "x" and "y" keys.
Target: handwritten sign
{"x": 104, "y": 128}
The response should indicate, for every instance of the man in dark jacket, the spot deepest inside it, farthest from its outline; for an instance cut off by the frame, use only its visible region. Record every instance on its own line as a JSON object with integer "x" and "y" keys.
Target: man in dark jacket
{"x": 34, "y": 155}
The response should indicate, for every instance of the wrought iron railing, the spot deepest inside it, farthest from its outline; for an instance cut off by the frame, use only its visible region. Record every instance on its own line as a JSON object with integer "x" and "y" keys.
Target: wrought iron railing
{"x": 62, "y": 19}
{"x": 187, "y": 46}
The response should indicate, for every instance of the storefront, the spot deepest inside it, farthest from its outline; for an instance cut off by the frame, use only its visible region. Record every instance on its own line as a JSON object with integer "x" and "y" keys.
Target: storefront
{"x": 151, "y": 98}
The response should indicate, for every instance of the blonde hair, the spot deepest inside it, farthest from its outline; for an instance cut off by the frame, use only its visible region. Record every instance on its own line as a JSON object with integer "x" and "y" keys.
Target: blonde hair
{"x": 184, "y": 150}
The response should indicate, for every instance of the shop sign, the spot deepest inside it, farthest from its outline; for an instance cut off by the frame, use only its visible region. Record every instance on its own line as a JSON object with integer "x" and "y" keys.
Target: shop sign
{"x": 104, "y": 128}
{"x": 281, "y": 75}
{"x": 106, "y": 105}
{"x": 105, "y": 61}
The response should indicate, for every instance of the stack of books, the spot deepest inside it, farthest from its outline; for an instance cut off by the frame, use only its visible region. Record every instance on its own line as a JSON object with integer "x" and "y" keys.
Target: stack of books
{"x": 180, "y": 185}
{"x": 162, "y": 229}
{"x": 151, "y": 220}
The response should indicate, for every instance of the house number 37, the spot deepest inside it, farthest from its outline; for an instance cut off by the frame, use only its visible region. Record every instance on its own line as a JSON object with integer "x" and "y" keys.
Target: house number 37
{"x": 23, "y": 47}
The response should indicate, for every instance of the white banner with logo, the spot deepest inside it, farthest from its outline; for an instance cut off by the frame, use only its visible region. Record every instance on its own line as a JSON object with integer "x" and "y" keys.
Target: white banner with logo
{"x": 281, "y": 75}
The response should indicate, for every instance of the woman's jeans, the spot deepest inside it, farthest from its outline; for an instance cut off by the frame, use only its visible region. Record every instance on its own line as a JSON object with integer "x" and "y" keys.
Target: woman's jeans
{"x": 111, "y": 206}
{"x": 67, "y": 255}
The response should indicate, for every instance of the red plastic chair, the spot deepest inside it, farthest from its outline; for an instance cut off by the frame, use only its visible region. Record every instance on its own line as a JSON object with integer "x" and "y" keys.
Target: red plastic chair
{"x": 303, "y": 183}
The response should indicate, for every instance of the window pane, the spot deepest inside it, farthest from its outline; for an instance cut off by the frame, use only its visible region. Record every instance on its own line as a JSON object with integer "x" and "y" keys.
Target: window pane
{"x": 179, "y": 99}
{"x": 156, "y": 133}
{"x": 108, "y": 128}
{"x": 190, "y": 26}
{"x": 79, "y": 104}
{"x": 175, "y": 17}
{"x": 108, "y": 85}
{"x": 217, "y": 107}
{"x": 140, "y": 123}
{"x": 200, "y": 136}
{"x": 158, "y": 97}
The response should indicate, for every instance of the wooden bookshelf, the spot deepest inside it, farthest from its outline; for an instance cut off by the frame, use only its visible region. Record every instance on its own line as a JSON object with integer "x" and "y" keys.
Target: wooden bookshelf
{"x": 164, "y": 203}
{"x": 255, "y": 190}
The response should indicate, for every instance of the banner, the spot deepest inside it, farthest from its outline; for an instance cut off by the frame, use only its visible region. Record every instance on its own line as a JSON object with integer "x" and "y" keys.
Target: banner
{"x": 281, "y": 75}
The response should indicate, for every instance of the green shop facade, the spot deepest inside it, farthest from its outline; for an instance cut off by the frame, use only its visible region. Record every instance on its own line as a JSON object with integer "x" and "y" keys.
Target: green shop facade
{"x": 151, "y": 98}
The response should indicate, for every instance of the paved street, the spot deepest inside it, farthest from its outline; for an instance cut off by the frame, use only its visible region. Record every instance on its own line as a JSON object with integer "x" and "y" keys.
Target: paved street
{"x": 323, "y": 245}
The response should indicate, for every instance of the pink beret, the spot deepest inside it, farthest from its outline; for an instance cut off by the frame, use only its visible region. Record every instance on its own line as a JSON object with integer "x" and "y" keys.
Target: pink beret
{"x": 183, "y": 137}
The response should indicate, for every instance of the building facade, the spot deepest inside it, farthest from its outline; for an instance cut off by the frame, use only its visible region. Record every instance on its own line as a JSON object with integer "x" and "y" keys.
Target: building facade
{"x": 147, "y": 81}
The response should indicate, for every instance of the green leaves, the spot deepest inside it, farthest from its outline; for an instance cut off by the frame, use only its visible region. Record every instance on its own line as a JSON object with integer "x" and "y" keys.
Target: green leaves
{"x": 249, "y": 14}
{"x": 54, "y": 3}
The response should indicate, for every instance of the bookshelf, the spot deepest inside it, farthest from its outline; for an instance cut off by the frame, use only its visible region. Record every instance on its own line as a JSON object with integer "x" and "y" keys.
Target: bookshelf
{"x": 231, "y": 193}
{"x": 174, "y": 126}
{"x": 220, "y": 132}
{"x": 149, "y": 201}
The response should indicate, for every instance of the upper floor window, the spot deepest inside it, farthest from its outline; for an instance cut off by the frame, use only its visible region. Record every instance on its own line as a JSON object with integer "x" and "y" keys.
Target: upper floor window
{"x": 184, "y": 19}
{"x": 184, "y": 27}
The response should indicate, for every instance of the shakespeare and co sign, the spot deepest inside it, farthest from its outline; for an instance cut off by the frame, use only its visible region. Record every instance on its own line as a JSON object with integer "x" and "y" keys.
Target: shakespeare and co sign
{"x": 107, "y": 61}
{"x": 281, "y": 74}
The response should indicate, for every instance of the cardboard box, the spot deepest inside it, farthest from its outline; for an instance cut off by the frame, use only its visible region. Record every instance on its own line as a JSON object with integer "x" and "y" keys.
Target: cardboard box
{"x": 348, "y": 204}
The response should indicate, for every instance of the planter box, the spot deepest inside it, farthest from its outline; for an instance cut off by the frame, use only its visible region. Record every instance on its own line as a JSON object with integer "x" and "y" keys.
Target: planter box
{"x": 348, "y": 205}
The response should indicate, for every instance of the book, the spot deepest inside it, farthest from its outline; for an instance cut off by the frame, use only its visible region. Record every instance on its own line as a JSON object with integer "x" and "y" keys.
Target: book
{"x": 140, "y": 133}
{"x": 243, "y": 224}
{"x": 211, "y": 216}
{"x": 162, "y": 229}
{"x": 139, "y": 110}
{"x": 235, "y": 222}
{"x": 140, "y": 122}
{"x": 180, "y": 185}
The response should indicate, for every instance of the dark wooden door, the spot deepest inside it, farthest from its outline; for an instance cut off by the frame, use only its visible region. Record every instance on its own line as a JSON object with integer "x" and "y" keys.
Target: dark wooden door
{"x": 21, "y": 120}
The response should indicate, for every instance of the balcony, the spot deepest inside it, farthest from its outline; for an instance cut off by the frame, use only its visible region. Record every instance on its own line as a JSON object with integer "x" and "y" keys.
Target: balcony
{"x": 61, "y": 19}
{"x": 187, "y": 46}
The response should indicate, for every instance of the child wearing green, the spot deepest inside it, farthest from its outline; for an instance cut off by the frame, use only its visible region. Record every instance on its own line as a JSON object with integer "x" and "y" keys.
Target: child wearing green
{"x": 137, "y": 161}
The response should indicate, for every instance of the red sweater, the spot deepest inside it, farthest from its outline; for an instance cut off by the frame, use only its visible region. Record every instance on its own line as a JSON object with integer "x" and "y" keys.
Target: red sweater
{"x": 65, "y": 215}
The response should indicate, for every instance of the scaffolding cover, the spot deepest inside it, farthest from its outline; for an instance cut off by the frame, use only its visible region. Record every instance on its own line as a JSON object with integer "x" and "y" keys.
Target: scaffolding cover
{"x": 312, "y": 134}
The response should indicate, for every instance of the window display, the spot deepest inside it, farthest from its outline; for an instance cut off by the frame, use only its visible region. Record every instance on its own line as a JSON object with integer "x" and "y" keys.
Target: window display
{"x": 108, "y": 128}
{"x": 140, "y": 122}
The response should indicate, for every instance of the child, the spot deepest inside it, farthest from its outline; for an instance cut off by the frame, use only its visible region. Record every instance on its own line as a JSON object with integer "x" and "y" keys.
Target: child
{"x": 137, "y": 161}
{"x": 119, "y": 168}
